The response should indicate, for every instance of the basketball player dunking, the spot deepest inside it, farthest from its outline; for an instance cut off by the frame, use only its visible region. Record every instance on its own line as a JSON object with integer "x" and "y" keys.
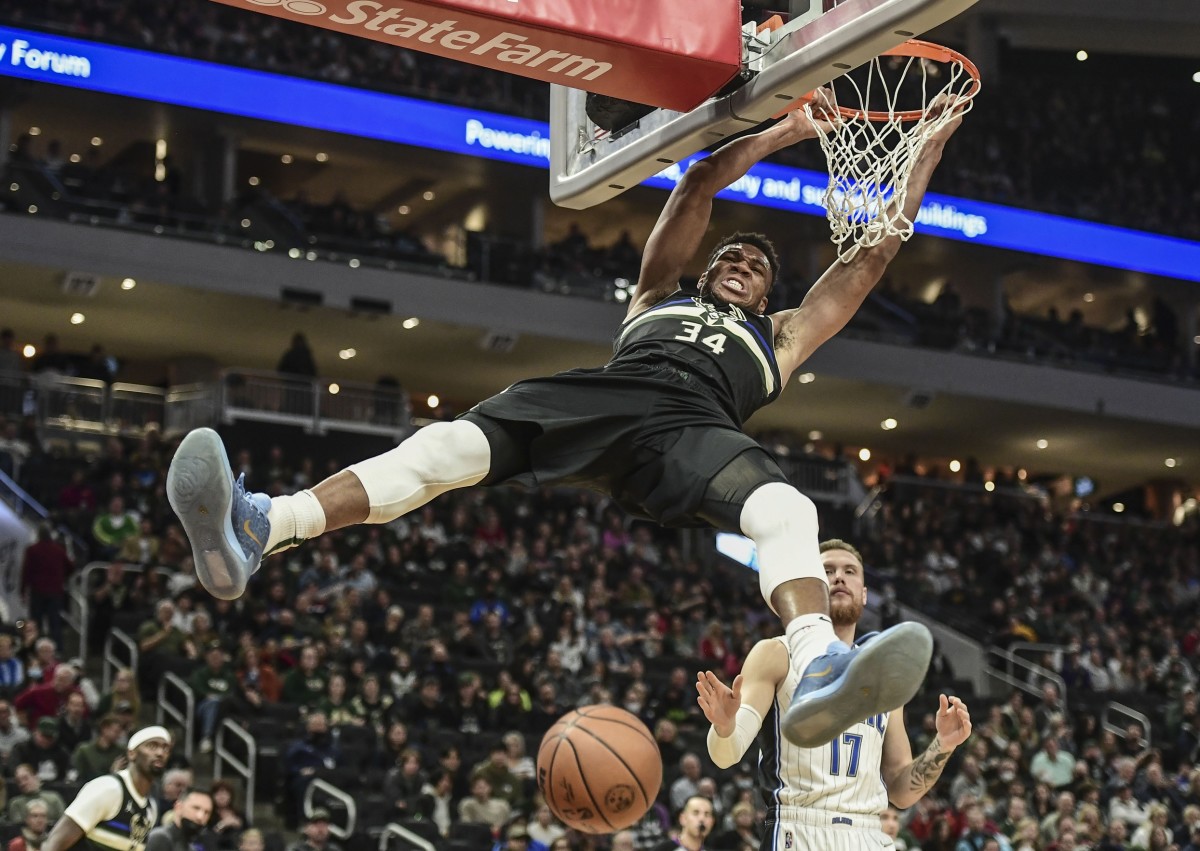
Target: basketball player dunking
{"x": 659, "y": 428}
{"x": 828, "y": 797}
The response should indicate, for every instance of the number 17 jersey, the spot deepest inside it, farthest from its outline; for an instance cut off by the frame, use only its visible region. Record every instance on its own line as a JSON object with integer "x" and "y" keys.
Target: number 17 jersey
{"x": 729, "y": 352}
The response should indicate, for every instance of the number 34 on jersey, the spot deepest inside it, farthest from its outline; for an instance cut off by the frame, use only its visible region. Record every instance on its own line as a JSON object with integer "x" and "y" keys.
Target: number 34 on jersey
{"x": 691, "y": 334}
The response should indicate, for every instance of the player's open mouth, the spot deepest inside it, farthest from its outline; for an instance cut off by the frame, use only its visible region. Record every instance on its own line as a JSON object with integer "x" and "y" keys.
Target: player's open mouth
{"x": 735, "y": 285}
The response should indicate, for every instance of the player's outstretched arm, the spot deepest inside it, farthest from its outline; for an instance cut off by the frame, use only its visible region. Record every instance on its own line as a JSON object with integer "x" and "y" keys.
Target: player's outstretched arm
{"x": 736, "y": 714}
{"x": 839, "y": 293}
{"x": 682, "y": 224}
{"x": 908, "y": 779}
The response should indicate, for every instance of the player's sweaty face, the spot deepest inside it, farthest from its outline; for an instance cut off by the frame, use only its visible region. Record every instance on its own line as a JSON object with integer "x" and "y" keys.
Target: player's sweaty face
{"x": 739, "y": 275}
{"x": 847, "y": 588}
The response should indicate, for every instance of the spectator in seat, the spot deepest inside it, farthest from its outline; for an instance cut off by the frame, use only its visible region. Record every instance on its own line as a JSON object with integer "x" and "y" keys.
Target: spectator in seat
{"x": 35, "y": 829}
{"x": 305, "y": 684}
{"x": 437, "y": 801}
{"x": 213, "y": 685}
{"x": 97, "y": 757}
{"x": 979, "y": 834}
{"x": 337, "y": 705}
{"x": 305, "y": 757}
{"x": 111, "y": 529}
{"x": 969, "y": 780}
{"x": 74, "y": 728}
{"x": 502, "y": 782}
{"x": 516, "y": 837}
{"x": 426, "y": 711}
{"x": 12, "y": 669}
{"x": 111, "y": 594}
{"x": 43, "y": 661}
{"x": 316, "y": 833}
{"x": 257, "y": 679}
{"x": 44, "y": 752}
{"x": 481, "y": 808}
{"x": 1052, "y": 765}
{"x": 227, "y": 820}
{"x": 687, "y": 785}
{"x": 174, "y": 783}
{"x": 44, "y": 573}
{"x": 695, "y": 823}
{"x": 251, "y": 840}
{"x": 11, "y": 732}
{"x": 30, "y": 786}
{"x": 124, "y": 690}
{"x": 519, "y": 763}
{"x": 163, "y": 646}
{"x": 404, "y": 783}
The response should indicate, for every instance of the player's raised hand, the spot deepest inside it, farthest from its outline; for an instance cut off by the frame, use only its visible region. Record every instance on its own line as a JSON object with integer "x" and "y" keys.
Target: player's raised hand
{"x": 815, "y": 115}
{"x": 719, "y": 702}
{"x": 953, "y": 721}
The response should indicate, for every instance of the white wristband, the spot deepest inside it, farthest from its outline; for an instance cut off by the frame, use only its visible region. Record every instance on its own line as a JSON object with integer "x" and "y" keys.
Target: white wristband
{"x": 727, "y": 752}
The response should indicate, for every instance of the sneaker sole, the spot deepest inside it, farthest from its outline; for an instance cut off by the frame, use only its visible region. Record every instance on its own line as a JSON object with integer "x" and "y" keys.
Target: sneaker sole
{"x": 200, "y": 489}
{"x": 884, "y": 676}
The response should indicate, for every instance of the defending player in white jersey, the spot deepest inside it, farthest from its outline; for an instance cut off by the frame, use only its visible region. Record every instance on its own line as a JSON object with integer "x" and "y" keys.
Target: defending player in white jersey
{"x": 828, "y": 797}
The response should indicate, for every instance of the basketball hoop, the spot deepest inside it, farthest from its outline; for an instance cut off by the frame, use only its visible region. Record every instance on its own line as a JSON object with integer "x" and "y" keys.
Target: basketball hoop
{"x": 875, "y": 145}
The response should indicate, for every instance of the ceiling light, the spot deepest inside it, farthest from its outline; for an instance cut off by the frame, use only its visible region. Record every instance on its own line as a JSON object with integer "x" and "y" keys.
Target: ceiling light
{"x": 1043, "y": 443}
{"x": 1089, "y": 297}
{"x": 354, "y": 263}
{"x": 428, "y": 196}
{"x": 33, "y": 208}
{"x": 128, "y": 284}
{"x": 97, "y": 141}
{"x": 322, "y": 157}
{"x": 815, "y": 435}
{"x": 30, "y": 350}
{"x": 1196, "y": 77}
{"x": 1118, "y": 507}
{"x": 411, "y": 322}
{"x": 403, "y": 210}
{"x": 621, "y": 295}
{"x": 1172, "y": 462}
{"x": 335, "y": 389}
{"x": 77, "y": 318}
{"x": 864, "y": 454}
{"x": 286, "y": 159}
{"x": 889, "y": 424}
{"x": 1022, "y": 474}
{"x": 310, "y": 255}
{"x": 245, "y": 223}
{"x": 989, "y": 486}
{"x": 35, "y": 131}
{"x": 1082, "y": 56}
{"x": 955, "y": 466}
{"x": 1196, "y": 339}
{"x": 253, "y": 181}
{"x": 807, "y": 378}
{"x": 75, "y": 158}
{"x": 346, "y": 354}
{"x": 433, "y": 400}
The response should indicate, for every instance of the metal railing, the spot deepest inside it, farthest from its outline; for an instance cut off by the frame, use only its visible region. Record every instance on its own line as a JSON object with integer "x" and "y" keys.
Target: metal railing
{"x": 78, "y": 614}
{"x": 1019, "y": 647}
{"x": 73, "y": 403}
{"x": 403, "y": 834}
{"x": 132, "y": 407}
{"x": 347, "y": 802}
{"x": 316, "y": 404}
{"x": 186, "y": 717}
{"x": 118, "y": 638}
{"x": 1114, "y": 708}
{"x": 245, "y": 768}
{"x": 22, "y": 504}
{"x": 188, "y": 407}
{"x": 823, "y": 480}
{"x": 1007, "y": 674}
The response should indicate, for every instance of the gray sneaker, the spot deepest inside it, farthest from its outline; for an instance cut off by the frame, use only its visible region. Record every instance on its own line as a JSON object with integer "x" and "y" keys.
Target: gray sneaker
{"x": 226, "y": 526}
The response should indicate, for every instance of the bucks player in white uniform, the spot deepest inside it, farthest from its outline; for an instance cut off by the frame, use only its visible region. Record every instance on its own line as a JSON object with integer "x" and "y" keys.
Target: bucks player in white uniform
{"x": 828, "y": 797}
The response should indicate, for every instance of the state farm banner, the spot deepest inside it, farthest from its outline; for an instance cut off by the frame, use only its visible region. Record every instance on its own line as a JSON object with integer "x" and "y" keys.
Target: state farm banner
{"x": 669, "y": 53}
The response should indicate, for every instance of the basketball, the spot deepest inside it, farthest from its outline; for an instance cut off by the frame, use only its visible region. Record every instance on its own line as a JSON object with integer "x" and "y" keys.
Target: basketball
{"x": 599, "y": 769}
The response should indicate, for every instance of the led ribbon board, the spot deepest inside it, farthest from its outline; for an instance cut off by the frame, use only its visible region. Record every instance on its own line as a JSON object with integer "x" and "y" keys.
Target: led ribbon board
{"x": 358, "y": 112}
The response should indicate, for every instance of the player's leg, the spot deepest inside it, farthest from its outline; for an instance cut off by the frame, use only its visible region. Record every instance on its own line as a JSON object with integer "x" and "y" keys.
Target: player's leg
{"x": 231, "y": 529}
{"x": 840, "y": 685}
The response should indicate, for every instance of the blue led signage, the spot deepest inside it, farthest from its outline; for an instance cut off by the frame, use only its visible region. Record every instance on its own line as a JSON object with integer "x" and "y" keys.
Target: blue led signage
{"x": 339, "y": 109}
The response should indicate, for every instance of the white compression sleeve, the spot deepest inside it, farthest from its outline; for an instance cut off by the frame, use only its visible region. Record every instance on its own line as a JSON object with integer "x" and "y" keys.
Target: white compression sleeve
{"x": 438, "y": 458}
{"x": 727, "y": 752}
{"x": 782, "y": 522}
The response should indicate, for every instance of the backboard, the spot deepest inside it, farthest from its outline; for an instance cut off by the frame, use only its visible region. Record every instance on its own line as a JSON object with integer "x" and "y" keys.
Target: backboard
{"x": 823, "y": 40}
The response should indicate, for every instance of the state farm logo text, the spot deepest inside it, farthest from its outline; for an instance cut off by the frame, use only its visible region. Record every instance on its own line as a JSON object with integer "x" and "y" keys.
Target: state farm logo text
{"x": 507, "y": 47}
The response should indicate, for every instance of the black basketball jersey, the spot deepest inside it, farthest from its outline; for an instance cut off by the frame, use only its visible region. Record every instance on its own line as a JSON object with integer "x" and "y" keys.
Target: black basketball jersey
{"x": 732, "y": 352}
{"x": 128, "y": 829}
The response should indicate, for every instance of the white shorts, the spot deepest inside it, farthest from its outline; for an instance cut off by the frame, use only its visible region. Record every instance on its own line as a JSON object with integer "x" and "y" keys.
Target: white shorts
{"x": 816, "y": 830}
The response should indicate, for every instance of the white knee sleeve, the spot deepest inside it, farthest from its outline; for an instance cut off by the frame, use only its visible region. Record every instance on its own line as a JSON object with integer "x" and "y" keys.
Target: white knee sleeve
{"x": 438, "y": 458}
{"x": 782, "y": 522}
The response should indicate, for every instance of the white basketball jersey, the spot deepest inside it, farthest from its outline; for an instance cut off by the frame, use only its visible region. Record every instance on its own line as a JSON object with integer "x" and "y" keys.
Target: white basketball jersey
{"x": 843, "y": 776}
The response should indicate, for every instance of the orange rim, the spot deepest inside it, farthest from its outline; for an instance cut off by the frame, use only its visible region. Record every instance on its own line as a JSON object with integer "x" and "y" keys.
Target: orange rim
{"x": 920, "y": 50}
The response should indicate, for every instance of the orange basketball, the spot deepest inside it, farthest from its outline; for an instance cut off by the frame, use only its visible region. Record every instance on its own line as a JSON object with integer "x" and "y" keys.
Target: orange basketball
{"x": 599, "y": 769}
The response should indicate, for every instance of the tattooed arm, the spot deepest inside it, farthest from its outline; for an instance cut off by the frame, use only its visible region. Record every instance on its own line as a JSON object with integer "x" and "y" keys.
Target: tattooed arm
{"x": 908, "y": 779}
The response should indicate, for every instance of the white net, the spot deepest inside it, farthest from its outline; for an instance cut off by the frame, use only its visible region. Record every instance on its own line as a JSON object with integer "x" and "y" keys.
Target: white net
{"x": 885, "y": 121}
